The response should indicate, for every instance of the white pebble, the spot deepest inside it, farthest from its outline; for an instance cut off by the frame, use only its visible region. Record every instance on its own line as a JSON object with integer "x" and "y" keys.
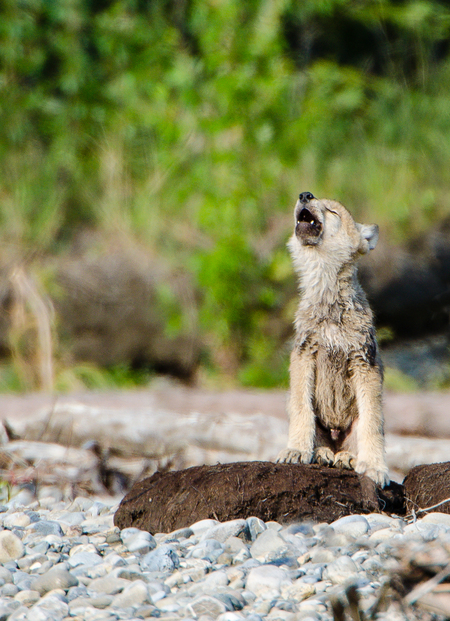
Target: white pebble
{"x": 267, "y": 581}
{"x": 11, "y": 547}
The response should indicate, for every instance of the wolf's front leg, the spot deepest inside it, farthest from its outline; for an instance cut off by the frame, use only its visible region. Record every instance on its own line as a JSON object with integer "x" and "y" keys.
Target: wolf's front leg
{"x": 367, "y": 384}
{"x": 300, "y": 446}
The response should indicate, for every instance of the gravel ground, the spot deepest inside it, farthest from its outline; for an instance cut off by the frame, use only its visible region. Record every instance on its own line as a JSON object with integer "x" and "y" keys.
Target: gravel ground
{"x": 66, "y": 560}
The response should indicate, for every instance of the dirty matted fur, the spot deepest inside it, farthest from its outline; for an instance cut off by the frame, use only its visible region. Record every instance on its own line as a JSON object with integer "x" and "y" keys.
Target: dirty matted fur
{"x": 334, "y": 406}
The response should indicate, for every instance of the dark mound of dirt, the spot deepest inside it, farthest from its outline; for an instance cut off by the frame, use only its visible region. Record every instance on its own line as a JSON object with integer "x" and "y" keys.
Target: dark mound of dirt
{"x": 426, "y": 487}
{"x": 282, "y": 492}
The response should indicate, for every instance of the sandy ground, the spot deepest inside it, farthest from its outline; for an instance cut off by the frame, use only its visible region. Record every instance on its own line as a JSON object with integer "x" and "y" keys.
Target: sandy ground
{"x": 423, "y": 413}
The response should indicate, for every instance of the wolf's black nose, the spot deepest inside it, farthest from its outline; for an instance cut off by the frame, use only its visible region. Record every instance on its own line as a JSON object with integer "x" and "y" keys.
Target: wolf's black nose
{"x": 305, "y": 197}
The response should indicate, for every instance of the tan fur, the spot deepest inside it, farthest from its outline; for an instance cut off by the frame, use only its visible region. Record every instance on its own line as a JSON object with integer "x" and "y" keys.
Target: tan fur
{"x": 334, "y": 405}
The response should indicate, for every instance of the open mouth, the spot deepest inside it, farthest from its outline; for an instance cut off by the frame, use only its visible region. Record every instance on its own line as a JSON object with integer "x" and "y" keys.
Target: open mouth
{"x": 306, "y": 216}
{"x": 308, "y": 227}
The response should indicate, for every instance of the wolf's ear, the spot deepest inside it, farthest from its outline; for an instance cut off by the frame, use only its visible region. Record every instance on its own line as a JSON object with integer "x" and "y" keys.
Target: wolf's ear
{"x": 369, "y": 237}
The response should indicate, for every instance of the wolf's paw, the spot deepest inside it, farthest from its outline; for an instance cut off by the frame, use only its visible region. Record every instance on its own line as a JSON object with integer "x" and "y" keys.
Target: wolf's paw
{"x": 293, "y": 456}
{"x": 324, "y": 456}
{"x": 344, "y": 460}
{"x": 379, "y": 474}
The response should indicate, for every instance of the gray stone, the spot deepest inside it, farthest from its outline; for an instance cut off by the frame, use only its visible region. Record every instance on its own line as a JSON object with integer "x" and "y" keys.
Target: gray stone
{"x": 45, "y": 527}
{"x": 209, "y": 550}
{"x": 206, "y": 605}
{"x": 295, "y": 542}
{"x": 267, "y": 581}
{"x": 198, "y": 528}
{"x": 18, "y": 519}
{"x": 268, "y": 544}
{"x": 353, "y": 525}
{"x": 56, "y": 578}
{"x": 157, "y": 591}
{"x": 9, "y": 590}
{"x": 442, "y": 519}
{"x": 5, "y": 574}
{"x": 320, "y": 554}
{"x": 109, "y": 585}
{"x": 99, "y": 601}
{"x": 49, "y": 608}
{"x": 136, "y": 540}
{"x": 163, "y": 558}
{"x": 231, "y": 616}
{"x": 71, "y": 518}
{"x": 76, "y": 592}
{"x": 132, "y": 572}
{"x": 223, "y": 531}
{"x": 237, "y": 548}
{"x": 426, "y": 530}
{"x": 229, "y": 598}
{"x": 299, "y": 529}
{"x": 22, "y": 580}
{"x": 213, "y": 580}
{"x": 133, "y": 595}
{"x": 341, "y": 571}
{"x": 11, "y": 547}
{"x": 27, "y": 597}
{"x": 255, "y": 527}
{"x": 181, "y": 533}
{"x": 146, "y": 611}
{"x": 19, "y": 614}
{"x": 298, "y": 591}
{"x": 85, "y": 558}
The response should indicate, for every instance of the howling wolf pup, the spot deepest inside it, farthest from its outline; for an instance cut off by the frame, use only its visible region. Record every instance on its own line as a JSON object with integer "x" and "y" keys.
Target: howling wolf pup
{"x": 336, "y": 376}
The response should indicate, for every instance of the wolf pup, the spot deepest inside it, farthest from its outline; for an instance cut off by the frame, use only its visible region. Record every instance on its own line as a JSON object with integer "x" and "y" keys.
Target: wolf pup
{"x": 335, "y": 410}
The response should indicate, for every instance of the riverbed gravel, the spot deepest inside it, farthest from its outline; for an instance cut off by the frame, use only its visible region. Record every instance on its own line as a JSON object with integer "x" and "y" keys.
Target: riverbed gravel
{"x": 66, "y": 560}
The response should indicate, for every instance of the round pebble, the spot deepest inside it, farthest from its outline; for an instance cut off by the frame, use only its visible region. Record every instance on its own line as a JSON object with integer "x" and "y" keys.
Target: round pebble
{"x": 267, "y": 581}
{"x": 56, "y": 578}
{"x": 353, "y": 525}
{"x": 11, "y": 547}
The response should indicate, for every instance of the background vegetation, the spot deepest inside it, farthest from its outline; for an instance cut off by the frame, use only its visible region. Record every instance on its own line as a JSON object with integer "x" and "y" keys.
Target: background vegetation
{"x": 189, "y": 126}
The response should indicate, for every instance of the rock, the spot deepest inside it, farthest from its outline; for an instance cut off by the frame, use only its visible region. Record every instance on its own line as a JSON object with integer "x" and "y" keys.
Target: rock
{"x": 267, "y": 581}
{"x": 298, "y": 591}
{"x": 198, "y": 528}
{"x": 56, "y": 578}
{"x": 136, "y": 540}
{"x": 427, "y": 488}
{"x": 255, "y": 527}
{"x": 101, "y": 601}
{"x": 5, "y": 575}
{"x": 27, "y": 597}
{"x": 164, "y": 558}
{"x": 206, "y": 605}
{"x": 108, "y": 585}
{"x": 442, "y": 519}
{"x": 11, "y": 547}
{"x": 209, "y": 549}
{"x": 267, "y": 544}
{"x": 45, "y": 527}
{"x": 133, "y": 595}
{"x": 222, "y": 532}
{"x": 52, "y": 607}
{"x": 343, "y": 570}
{"x": 353, "y": 525}
{"x": 16, "y": 520}
{"x": 85, "y": 558}
{"x": 322, "y": 555}
{"x": 285, "y": 492}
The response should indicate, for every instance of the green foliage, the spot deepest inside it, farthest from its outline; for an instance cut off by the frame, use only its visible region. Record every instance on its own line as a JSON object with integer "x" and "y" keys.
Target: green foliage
{"x": 396, "y": 381}
{"x": 192, "y": 127}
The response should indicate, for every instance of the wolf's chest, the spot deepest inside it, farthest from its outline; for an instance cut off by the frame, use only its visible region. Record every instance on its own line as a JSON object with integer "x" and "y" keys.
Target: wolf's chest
{"x": 334, "y": 399}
